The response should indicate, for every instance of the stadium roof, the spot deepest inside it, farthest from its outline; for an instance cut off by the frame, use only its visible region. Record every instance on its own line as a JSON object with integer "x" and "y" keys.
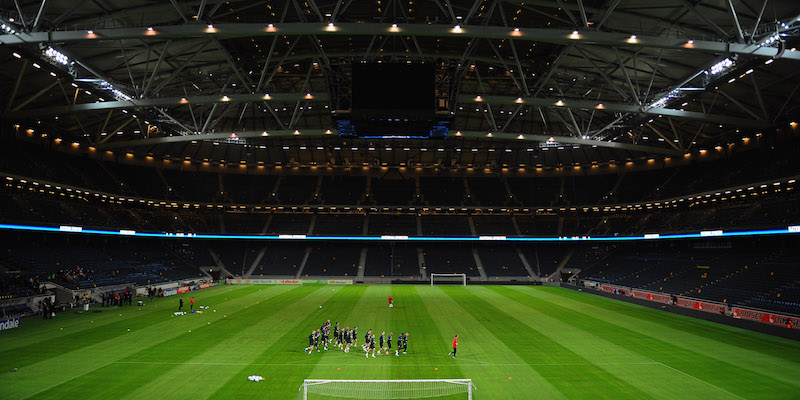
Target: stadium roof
{"x": 214, "y": 80}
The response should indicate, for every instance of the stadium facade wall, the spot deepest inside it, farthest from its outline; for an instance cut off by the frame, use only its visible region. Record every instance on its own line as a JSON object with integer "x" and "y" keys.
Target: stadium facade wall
{"x": 751, "y": 325}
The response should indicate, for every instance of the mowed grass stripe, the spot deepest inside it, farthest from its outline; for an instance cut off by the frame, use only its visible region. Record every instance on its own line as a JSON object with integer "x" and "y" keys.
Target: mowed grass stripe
{"x": 254, "y": 329}
{"x": 282, "y": 381}
{"x": 83, "y": 358}
{"x": 770, "y": 352}
{"x": 84, "y": 330}
{"x": 710, "y": 363}
{"x": 769, "y": 345}
{"x": 36, "y": 335}
{"x": 602, "y": 344}
{"x": 374, "y": 314}
{"x": 478, "y": 343}
{"x": 426, "y": 358}
{"x": 532, "y": 345}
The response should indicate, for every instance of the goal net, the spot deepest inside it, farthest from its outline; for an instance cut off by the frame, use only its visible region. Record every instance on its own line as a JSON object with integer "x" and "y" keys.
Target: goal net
{"x": 449, "y": 278}
{"x": 387, "y": 389}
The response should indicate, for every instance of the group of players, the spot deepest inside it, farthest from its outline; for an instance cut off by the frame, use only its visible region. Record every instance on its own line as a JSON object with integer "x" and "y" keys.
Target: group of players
{"x": 347, "y": 338}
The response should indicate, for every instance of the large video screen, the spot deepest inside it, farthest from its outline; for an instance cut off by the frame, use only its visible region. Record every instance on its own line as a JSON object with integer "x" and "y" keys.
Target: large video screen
{"x": 398, "y": 87}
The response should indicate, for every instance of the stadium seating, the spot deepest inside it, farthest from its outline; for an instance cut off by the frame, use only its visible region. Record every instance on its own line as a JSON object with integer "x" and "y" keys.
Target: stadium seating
{"x": 339, "y": 260}
{"x": 442, "y": 191}
{"x": 343, "y": 190}
{"x": 442, "y": 259}
{"x": 501, "y": 261}
{"x": 387, "y": 260}
{"x": 734, "y": 273}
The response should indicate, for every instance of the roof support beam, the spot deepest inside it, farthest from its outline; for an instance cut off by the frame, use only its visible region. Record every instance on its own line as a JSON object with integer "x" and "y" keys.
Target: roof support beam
{"x": 287, "y": 133}
{"x": 742, "y": 106}
{"x": 155, "y": 69}
{"x": 608, "y": 126}
{"x": 68, "y": 13}
{"x": 227, "y": 31}
{"x": 180, "y": 11}
{"x": 758, "y": 21}
{"x": 21, "y": 15}
{"x": 16, "y": 84}
{"x": 666, "y": 139}
{"x": 583, "y": 14}
{"x": 608, "y": 12}
{"x": 35, "y": 96}
{"x": 735, "y": 18}
{"x": 627, "y": 77}
{"x": 103, "y": 127}
{"x": 567, "y": 11}
{"x": 170, "y": 102}
{"x": 760, "y": 98}
{"x": 113, "y": 133}
{"x": 704, "y": 18}
{"x": 177, "y": 71}
{"x": 38, "y": 16}
{"x": 603, "y": 74}
{"x": 785, "y": 103}
{"x": 324, "y": 98}
{"x": 614, "y": 107}
{"x": 200, "y": 10}
{"x": 677, "y": 134}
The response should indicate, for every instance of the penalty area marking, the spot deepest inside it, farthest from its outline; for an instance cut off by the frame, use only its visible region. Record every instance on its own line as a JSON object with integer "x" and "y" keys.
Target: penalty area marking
{"x": 701, "y": 380}
{"x": 68, "y": 380}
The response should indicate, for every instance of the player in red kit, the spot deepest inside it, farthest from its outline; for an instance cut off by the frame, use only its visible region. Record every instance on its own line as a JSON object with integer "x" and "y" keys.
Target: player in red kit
{"x": 391, "y": 300}
{"x": 455, "y": 347}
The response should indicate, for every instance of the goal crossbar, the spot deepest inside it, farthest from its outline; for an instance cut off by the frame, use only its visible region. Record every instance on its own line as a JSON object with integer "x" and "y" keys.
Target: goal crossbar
{"x": 380, "y": 389}
{"x": 461, "y": 277}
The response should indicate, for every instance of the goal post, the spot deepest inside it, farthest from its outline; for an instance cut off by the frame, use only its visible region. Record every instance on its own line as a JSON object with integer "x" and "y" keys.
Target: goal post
{"x": 449, "y": 278}
{"x": 390, "y": 389}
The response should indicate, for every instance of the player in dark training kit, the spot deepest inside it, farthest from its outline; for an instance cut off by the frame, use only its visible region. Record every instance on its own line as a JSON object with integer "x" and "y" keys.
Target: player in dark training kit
{"x": 348, "y": 339}
{"x": 324, "y": 339}
{"x": 399, "y": 344}
{"x": 371, "y": 347}
{"x": 382, "y": 339}
{"x": 389, "y": 344}
{"x": 310, "y": 348}
{"x": 365, "y": 346}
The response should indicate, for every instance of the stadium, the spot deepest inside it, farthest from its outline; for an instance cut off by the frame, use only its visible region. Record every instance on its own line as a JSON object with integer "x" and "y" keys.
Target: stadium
{"x": 398, "y": 199}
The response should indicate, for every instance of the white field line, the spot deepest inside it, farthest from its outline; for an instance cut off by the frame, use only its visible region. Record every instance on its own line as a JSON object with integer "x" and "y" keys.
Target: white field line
{"x": 68, "y": 380}
{"x": 700, "y": 380}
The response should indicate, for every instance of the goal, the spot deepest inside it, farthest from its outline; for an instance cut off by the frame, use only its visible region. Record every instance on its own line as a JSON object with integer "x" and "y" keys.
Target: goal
{"x": 313, "y": 389}
{"x": 461, "y": 278}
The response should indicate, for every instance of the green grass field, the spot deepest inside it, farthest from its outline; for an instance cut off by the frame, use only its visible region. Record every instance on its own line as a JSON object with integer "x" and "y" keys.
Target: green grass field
{"x": 515, "y": 342}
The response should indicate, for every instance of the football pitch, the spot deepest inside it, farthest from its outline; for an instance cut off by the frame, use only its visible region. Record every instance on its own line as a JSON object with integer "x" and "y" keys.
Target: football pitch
{"x": 515, "y": 342}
